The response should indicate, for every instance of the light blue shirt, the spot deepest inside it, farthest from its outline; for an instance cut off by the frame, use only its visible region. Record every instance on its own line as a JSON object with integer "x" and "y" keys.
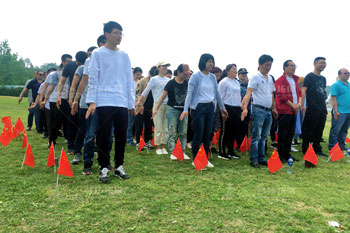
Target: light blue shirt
{"x": 342, "y": 92}
{"x": 111, "y": 81}
{"x": 194, "y": 90}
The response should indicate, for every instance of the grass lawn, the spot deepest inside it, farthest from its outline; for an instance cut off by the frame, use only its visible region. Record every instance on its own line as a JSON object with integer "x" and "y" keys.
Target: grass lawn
{"x": 168, "y": 196}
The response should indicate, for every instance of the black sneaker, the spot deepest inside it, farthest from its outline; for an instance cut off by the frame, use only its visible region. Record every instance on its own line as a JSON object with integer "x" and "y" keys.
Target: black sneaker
{"x": 274, "y": 145}
{"x": 120, "y": 172}
{"x": 264, "y": 163}
{"x": 28, "y": 128}
{"x": 224, "y": 156}
{"x": 87, "y": 171}
{"x": 149, "y": 145}
{"x": 255, "y": 164}
{"x": 234, "y": 156}
{"x": 104, "y": 178}
{"x": 322, "y": 154}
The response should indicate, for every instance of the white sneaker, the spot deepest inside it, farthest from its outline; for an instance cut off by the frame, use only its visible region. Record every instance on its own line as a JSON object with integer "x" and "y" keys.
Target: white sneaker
{"x": 210, "y": 165}
{"x": 172, "y": 157}
{"x": 189, "y": 146}
{"x": 293, "y": 149}
{"x": 159, "y": 152}
{"x": 186, "y": 157}
{"x": 164, "y": 151}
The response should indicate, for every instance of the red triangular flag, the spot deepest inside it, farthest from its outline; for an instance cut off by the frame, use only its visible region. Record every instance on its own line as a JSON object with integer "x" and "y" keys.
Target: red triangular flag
{"x": 245, "y": 146}
{"x": 142, "y": 144}
{"x": 347, "y": 140}
{"x": 6, "y": 137}
{"x": 310, "y": 155}
{"x": 177, "y": 152}
{"x": 25, "y": 140}
{"x": 51, "y": 158}
{"x": 7, "y": 121}
{"x": 64, "y": 168}
{"x": 215, "y": 139}
{"x": 218, "y": 134}
{"x": 235, "y": 145}
{"x": 153, "y": 142}
{"x": 29, "y": 157}
{"x": 335, "y": 153}
{"x": 2, "y": 138}
{"x": 19, "y": 126}
{"x": 274, "y": 164}
{"x": 15, "y": 134}
{"x": 201, "y": 160}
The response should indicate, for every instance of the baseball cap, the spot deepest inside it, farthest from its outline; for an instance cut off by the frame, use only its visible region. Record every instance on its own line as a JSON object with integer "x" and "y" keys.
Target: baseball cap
{"x": 163, "y": 63}
{"x": 186, "y": 69}
{"x": 242, "y": 71}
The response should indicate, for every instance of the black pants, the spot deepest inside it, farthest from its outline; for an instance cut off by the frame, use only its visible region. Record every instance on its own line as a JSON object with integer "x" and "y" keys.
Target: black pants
{"x": 243, "y": 127}
{"x": 72, "y": 128}
{"x": 190, "y": 132}
{"x": 64, "y": 108}
{"x": 47, "y": 118}
{"x": 144, "y": 121}
{"x": 286, "y": 129}
{"x": 54, "y": 123}
{"x": 273, "y": 130}
{"x": 108, "y": 117}
{"x": 230, "y": 129}
{"x": 42, "y": 122}
{"x": 79, "y": 139}
{"x": 312, "y": 128}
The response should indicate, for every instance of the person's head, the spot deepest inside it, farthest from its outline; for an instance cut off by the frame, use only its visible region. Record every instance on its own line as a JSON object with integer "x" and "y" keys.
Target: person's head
{"x": 80, "y": 57}
{"x": 265, "y": 63}
{"x": 40, "y": 75}
{"x": 343, "y": 75}
{"x": 162, "y": 68}
{"x": 89, "y": 51}
{"x": 35, "y": 73}
{"x": 101, "y": 40}
{"x": 206, "y": 62}
{"x": 113, "y": 32}
{"x": 243, "y": 75}
{"x": 230, "y": 71}
{"x": 320, "y": 64}
{"x": 153, "y": 71}
{"x": 183, "y": 71}
{"x": 65, "y": 59}
{"x": 289, "y": 67}
{"x": 50, "y": 70}
{"x": 137, "y": 72}
{"x": 169, "y": 74}
{"x": 217, "y": 72}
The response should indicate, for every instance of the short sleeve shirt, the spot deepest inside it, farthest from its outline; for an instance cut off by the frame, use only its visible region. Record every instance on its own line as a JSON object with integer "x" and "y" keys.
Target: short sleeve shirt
{"x": 262, "y": 89}
{"x": 34, "y": 86}
{"x": 176, "y": 93}
{"x": 342, "y": 92}
{"x": 316, "y": 94}
{"x": 69, "y": 71}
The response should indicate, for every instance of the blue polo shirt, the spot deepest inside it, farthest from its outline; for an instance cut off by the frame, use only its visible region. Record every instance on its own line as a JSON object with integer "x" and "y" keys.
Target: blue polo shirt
{"x": 342, "y": 92}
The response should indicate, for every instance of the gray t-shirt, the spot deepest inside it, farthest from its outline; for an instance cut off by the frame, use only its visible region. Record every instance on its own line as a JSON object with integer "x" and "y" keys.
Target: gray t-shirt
{"x": 79, "y": 73}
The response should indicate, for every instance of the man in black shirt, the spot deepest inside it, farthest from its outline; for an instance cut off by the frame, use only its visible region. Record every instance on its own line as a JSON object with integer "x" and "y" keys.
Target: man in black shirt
{"x": 72, "y": 121}
{"x": 176, "y": 90}
{"x": 314, "y": 90}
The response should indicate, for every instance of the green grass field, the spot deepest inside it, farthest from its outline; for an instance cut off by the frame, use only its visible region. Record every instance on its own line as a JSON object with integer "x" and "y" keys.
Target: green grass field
{"x": 168, "y": 196}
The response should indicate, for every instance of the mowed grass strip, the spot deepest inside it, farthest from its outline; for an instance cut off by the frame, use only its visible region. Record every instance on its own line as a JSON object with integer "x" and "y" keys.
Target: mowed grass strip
{"x": 167, "y": 196}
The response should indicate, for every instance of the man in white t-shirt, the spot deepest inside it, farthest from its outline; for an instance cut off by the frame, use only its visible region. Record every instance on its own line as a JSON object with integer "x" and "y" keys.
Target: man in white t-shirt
{"x": 111, "y": 91}
{"x": 261, "y": 87}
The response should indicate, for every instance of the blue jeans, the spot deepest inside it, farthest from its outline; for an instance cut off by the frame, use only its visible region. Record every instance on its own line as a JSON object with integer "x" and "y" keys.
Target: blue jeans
{"x": 131, "y": 123}
{"x": 176, "y": 126}
{"x": 79, "y": 139}
{"x": 202, "y": 121}
{"x": 261, "y": 124}
{"x": 35, "y": 112}
{"x": 339, "y": 130}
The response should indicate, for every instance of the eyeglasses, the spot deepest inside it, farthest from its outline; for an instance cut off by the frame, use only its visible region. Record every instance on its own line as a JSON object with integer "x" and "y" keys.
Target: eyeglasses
{"x": 346, "y": 73}
{"x": 41, "y": 74}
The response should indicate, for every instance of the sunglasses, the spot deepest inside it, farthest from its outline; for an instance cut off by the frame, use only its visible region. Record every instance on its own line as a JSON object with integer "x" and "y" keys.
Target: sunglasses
{"x": 41, "y": 74}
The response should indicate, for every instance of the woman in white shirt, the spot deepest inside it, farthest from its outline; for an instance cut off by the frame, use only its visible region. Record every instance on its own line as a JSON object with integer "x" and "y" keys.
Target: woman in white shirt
{"x": 230, "y": 92}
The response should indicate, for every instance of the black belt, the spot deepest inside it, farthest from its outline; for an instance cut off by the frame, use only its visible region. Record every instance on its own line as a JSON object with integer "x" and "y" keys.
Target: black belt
{"x": 262, "y": 107}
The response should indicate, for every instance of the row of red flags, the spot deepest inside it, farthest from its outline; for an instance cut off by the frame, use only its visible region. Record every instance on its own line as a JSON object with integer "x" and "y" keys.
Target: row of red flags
{"x": 245, "y": 145}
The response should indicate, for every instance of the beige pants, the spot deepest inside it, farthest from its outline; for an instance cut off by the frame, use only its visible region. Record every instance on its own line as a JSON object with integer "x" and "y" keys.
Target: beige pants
{"x": 160, "y": 125}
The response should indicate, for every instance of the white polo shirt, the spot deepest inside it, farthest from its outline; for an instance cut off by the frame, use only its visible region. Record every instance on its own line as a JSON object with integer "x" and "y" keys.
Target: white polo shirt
{"x": 262, "y": 89}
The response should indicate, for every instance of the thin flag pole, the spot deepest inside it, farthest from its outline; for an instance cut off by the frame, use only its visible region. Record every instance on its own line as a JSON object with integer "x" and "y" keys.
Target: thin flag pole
{"x": 23, "y": 159}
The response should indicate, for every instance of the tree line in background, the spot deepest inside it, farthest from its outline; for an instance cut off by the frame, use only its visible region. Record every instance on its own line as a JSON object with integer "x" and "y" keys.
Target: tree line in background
{"x": 15, "y": 70}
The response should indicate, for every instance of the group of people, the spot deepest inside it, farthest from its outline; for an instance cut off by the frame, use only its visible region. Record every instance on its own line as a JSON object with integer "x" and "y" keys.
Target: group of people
{"x": 100, "y": 95}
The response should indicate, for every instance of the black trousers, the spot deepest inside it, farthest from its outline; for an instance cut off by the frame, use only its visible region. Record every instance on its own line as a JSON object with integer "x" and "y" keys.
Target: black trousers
{"x": 72, "y": 128}
{"x": 286, "y": 128}
{"x": 42, "y": 122}
{"x": 48, "y": 120}
{"x": 108, "y": 117}
{"x": 312, "y": 128}
{"x": 190, "y": 132}
{"x": 79, "y": 139}
{"x": 144, "y": 121}
{"x": 64, "y": 109}
{"x": 55, "y": 121}
{"x": 230, "y": 129}
{"x": 243, "y": 127}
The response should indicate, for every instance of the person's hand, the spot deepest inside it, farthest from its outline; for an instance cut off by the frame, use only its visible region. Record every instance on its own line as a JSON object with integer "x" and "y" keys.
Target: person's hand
{"x": 132, "y": 112}
{"x": 20, "y": 99}
{"x": 295, "y": 108}
{"x": 142, "y": 110}
{"x": 244, "y": 114}
{"x": 154, "y": 113}
{"x": 74, "y": 108}
{"x": 32, "y": 106}
{"x": 275, "y": 114}
{"x": 224, "y": 115}
{"x": 303, "y": 108}
{"x": 91, "y": 110}
{"x": 42, "y": 104}
{"x": 70, "y": 102}
{"x": 336, "y": 116}
{"x": 58, "y": 102}
{"x": 183, "y": 115}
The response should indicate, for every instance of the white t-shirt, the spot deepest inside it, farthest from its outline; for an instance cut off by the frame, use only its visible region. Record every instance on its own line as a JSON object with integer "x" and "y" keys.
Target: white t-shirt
{"x": 230, "y": 92}
{"x": 293, "y": 89}
{"x": 262, "y": 89}
{"x": 156, "y": 84}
